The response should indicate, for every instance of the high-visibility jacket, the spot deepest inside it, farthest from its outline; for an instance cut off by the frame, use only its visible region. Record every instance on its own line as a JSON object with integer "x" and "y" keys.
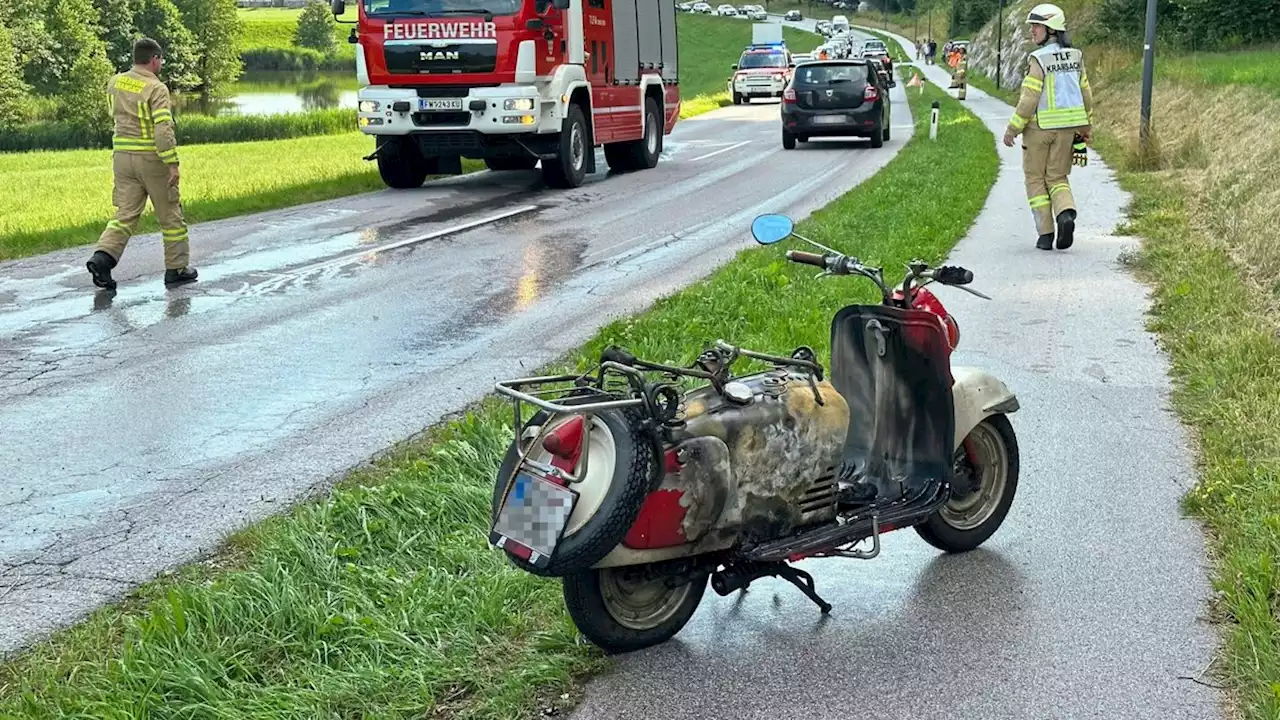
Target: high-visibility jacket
{"x": 1055, "y": 92}
{"x": 142, "y": 115}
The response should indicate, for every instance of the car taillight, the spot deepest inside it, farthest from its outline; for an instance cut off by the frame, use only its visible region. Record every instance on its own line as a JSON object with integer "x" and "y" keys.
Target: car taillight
{"x": 789, "y": 96}
{"x": 872, "y": 93}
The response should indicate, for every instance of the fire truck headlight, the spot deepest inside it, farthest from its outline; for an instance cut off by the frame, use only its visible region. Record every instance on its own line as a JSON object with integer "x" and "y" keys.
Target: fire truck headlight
{"x": 519, "y": 120}
{"x": 517, "y": 104}
{"x": 369, "y": 106}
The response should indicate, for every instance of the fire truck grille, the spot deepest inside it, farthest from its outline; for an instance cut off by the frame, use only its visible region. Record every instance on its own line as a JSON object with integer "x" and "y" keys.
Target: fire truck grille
{"x": 439, "y": 119}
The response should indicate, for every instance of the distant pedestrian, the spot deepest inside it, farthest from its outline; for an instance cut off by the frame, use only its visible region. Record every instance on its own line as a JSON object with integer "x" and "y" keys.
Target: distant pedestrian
{"x": 1049, "y": 123}
{"x": 144, "y": 165}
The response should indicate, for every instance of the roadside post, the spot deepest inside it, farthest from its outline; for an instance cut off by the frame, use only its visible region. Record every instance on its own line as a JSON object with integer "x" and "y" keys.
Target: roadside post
{"x": 999, "y": 41}
{"x": 933, "y": 122}
{"x": 1148, "y": 73}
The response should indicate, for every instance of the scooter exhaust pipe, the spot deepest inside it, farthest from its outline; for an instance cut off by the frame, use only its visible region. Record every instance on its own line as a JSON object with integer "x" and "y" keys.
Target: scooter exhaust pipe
{"x": 730, "y": 579}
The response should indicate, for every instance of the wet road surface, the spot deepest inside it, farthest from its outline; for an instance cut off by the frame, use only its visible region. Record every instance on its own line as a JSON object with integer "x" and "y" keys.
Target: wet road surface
{"x": 1085, "y": 604}
{"x": 144, "y": 425}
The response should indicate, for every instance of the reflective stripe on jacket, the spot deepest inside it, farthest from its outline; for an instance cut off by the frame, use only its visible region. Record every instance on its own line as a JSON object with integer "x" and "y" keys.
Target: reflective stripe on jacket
{"x": 141, "y": 112}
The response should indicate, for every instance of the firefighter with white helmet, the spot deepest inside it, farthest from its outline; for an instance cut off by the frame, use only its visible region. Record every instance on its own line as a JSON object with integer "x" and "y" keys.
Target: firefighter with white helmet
{"x": 1056, "y": 105}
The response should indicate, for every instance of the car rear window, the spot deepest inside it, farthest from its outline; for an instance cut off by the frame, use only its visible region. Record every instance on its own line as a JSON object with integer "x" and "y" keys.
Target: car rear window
{"x": 829, "y": 74}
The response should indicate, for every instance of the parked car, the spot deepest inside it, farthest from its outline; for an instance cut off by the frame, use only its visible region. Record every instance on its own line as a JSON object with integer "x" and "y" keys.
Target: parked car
{"x": 793, "y": 15}
{"x": 727, "y": 11}
{"x": 828, "y": 98}
{"x": 703, "y": 8}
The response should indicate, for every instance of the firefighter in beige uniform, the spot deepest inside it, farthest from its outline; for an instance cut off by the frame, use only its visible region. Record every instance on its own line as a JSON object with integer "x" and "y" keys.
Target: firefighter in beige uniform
{"x": 145, "y": 165}
{"x": 1055, "y": 106}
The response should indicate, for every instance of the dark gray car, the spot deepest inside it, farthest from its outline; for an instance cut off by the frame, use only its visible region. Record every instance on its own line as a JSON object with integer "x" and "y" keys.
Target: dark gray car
{"x": 827, "y": 98}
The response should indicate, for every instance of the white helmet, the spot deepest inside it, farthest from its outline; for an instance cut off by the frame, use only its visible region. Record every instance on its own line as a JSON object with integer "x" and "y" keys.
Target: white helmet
{"x": 1050, "y": 16}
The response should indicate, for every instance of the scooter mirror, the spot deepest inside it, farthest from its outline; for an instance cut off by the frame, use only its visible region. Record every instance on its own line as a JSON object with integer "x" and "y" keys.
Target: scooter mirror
{"x": 771, "y": 228}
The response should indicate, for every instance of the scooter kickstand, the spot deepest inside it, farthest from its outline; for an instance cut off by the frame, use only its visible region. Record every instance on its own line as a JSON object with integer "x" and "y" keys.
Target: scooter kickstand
{"x": 804, "y": 581}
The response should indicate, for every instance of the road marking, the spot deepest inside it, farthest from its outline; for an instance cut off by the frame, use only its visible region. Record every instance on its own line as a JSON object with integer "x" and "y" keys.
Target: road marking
{"x": 721, "y": 150}
{"x": 369, "y": 253}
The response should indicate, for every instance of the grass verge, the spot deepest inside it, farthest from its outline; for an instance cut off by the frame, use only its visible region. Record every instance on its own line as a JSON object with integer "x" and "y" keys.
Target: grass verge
{"x": 1204, "y": 204}
{"x": 383, "y": 599}
{"x": 230, "y": 179}
{"x": 218, "y": 181}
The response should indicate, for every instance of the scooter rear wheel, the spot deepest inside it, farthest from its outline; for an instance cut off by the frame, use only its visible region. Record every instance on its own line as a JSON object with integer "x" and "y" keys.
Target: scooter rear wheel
{"x": 966, "y": 522}
{"x": 619, "y": 609}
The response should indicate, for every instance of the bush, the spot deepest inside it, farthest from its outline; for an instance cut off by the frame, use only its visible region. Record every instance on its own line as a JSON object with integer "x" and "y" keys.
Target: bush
{"x": 294, "y": 59}
{"x": 191, "y": 130}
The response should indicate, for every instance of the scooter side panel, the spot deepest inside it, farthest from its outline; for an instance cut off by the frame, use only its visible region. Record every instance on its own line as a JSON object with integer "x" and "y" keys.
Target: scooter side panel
{"x": 978, "y": 394}
{"x": 752, "y": 472}
{"x": 892, "y": 366}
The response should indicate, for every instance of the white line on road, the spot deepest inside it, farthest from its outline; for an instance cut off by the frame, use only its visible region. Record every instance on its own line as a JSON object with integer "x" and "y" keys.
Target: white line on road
{"x": 721, "y": 150}
{"x": 343, "y": 259}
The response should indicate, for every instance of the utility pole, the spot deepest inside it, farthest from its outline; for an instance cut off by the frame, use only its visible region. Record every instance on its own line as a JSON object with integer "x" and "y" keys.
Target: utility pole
{"x": 1148, "y": 75}
{"x": 999, "y": 41}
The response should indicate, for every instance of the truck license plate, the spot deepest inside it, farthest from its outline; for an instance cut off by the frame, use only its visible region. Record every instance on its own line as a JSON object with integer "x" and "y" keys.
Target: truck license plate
{"x": 426, "y": 104}
{"x": 534, "y": 514}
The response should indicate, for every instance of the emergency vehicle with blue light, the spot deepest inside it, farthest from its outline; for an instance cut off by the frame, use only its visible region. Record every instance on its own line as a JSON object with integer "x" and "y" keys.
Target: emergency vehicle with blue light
{"x": 765, "y": 67}
{"x": 514, "y": 83}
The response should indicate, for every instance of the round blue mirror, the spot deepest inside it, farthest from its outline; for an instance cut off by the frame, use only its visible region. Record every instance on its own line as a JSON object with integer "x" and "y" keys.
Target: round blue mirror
{"x": 769, "y": 229}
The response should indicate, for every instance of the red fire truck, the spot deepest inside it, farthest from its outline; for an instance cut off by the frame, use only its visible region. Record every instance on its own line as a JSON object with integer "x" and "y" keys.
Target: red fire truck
{"x": 514, "y": 82}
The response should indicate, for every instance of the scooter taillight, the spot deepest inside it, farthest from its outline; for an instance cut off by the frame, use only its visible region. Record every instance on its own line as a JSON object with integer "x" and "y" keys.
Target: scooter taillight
{"x": 565, "y": 442}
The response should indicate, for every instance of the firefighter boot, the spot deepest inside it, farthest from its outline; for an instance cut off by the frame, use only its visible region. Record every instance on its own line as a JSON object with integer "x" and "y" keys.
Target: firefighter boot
{"x": 100, "y": 268}
{"x": 1045, "y": 242}
{"x": 178, "y": 277}
{"x": 1066, "y": 228}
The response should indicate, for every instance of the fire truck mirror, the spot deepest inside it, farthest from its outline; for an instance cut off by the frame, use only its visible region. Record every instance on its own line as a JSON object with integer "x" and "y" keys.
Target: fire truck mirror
{"x": 339, "y": 7}
{"x": 561, "y": 4}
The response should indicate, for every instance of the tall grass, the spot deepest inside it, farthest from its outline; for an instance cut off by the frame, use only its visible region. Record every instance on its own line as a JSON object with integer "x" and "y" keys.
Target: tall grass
{"x": 383, "y": 599}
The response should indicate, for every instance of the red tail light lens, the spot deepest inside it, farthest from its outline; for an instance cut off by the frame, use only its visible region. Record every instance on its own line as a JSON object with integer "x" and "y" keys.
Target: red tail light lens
{"x": 788, "y": 96}
{"x": 872, "y": 93}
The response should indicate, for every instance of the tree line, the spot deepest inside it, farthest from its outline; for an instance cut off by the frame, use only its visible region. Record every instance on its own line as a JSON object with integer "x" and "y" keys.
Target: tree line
{"x": 56, "y": 55}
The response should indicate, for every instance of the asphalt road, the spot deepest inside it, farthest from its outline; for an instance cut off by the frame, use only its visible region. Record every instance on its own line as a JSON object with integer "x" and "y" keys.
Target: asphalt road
{"x": 1086, "y": 603}
{"x": 142, "y": 426}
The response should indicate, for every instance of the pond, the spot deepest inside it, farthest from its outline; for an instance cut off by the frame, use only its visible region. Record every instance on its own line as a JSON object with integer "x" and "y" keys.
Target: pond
{"x": 275, "y": 93}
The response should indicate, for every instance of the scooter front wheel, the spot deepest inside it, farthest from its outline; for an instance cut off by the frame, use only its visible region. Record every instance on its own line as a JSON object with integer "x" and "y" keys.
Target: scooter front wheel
{"x": 622, "y": 609}
{"x": 966, "y": 522}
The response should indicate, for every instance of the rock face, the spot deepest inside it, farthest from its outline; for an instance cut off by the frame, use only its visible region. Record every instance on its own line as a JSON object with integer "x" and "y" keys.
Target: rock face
{"x": 1013, "y": 60}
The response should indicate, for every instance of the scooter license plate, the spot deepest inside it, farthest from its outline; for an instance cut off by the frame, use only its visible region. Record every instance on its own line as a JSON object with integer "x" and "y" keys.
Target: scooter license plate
{"x": 532, "y": 518}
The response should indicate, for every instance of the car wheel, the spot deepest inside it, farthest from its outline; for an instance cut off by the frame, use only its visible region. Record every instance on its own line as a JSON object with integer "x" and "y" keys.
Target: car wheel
{"x": 788, "y": 141}
{"x": 877, "y": 136}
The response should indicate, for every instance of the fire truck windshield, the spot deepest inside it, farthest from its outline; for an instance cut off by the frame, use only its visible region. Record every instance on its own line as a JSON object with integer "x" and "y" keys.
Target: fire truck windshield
{"x": 440, "y": 8}
{"x": 762, "y": 60}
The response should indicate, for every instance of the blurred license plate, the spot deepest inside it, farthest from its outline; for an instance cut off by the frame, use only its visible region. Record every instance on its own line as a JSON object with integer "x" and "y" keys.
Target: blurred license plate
{"x": 439, "y": 103}
{"x": 830, "y": 119}
{"x": 534, "y": 515}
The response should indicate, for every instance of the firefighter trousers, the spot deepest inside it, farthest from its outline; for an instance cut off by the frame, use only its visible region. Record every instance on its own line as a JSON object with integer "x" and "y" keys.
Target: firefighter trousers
{"x": 1046, "y": 162}
{"x": 139, "y": 176}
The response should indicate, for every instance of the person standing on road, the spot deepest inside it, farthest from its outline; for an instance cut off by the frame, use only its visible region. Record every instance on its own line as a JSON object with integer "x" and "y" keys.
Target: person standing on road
{"x": 960, "y": 78}
{"x": 144, "y": 165}
{"x": 1056, "y": 105}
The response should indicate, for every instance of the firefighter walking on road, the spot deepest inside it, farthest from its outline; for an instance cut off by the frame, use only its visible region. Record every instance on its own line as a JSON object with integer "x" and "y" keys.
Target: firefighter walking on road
{"x": 1055, "y": 106}
{"x": 144, "y": 165}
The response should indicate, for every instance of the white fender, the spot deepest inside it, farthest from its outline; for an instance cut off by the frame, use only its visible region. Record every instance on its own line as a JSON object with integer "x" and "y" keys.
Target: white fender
{"x": 978, "y": 395}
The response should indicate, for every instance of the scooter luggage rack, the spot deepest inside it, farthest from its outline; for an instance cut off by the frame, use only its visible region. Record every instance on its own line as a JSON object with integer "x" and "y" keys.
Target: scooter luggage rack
{"x": 533, "y": 390}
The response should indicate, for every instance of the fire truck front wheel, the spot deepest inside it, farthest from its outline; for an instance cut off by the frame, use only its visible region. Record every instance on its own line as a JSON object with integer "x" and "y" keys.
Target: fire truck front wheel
{"x": 568, "y": 169}
{"x": 401, "y": 164}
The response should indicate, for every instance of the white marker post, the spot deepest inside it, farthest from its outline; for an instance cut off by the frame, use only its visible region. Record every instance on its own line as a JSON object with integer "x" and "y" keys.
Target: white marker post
{"x": 933, "y": 122}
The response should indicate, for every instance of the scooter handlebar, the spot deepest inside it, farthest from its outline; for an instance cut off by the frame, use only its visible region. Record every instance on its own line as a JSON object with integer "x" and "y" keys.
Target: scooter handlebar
{"x": 807, "y": 258}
